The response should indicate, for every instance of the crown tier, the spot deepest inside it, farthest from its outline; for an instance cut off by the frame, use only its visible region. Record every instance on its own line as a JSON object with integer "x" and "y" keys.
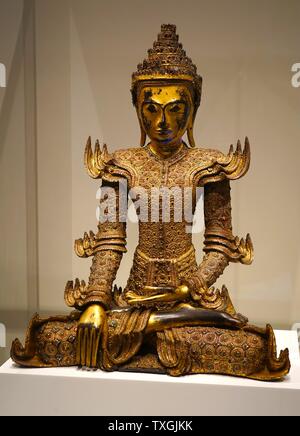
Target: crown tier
{"x": 167, "y": 59}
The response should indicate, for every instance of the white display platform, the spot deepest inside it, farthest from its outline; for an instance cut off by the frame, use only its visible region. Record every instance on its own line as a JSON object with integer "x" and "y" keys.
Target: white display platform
{"x": 69, "y": 391}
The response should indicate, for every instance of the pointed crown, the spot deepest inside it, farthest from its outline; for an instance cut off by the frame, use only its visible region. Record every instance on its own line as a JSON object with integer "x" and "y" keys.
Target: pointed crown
{"x": 167, "y": 60}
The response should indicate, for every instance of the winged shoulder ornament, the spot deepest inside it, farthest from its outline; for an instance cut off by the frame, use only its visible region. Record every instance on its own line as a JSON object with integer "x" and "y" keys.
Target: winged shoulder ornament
{"x": 96, "y": 161}
{"x": 231, "y": 166}
{"x": 100, "y": 164}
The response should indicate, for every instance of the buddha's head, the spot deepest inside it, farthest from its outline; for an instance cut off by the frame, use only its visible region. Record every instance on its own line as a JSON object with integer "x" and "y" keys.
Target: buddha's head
{"x": 166, "y": 92}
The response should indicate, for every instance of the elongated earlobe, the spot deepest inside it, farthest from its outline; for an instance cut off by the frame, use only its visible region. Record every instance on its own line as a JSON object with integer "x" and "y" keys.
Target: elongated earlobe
{"x": 143, "y": 133}
{"x": 190, "y": 133}
{"x": 143, "y": 137}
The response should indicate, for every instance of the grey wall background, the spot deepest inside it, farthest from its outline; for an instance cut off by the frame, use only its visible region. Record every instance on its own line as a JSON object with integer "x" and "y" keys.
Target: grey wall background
{"x": 69, "y": 64}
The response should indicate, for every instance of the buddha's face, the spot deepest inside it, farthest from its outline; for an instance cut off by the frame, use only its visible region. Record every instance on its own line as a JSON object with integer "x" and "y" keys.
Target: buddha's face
{"x": 165, "y": 112}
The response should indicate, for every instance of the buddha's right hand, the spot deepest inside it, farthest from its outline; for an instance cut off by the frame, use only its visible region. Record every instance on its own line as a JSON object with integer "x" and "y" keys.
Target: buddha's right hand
{"x": 181, "y": 293}
{"x": 91, "y": 325}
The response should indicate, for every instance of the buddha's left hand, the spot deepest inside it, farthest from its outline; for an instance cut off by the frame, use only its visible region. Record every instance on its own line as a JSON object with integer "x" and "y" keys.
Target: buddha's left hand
{"x": 91, "y": 326}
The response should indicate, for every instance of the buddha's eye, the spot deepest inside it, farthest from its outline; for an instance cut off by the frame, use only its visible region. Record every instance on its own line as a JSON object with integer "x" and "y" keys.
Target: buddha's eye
{"x": 175, "y": 108}
{"x": 151, "y": 108}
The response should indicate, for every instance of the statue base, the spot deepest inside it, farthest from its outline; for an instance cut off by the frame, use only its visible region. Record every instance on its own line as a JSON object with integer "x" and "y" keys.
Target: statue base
{"x": 55, "y": 391}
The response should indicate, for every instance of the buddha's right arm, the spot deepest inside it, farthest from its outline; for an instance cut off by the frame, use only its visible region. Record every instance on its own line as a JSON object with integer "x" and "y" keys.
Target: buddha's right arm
{"x": 103, "y": 272}
{"x": 106, "y": 249}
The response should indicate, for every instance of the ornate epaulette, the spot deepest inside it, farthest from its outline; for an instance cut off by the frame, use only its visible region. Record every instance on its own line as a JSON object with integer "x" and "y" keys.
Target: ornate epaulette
{"x": 100, "y": 164}
{"x": 231, "y": 166}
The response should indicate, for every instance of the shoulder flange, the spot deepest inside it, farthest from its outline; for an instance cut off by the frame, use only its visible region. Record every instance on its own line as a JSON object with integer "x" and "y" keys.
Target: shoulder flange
{"x": 231, "y": 166}
{"x": 100, "y": 164}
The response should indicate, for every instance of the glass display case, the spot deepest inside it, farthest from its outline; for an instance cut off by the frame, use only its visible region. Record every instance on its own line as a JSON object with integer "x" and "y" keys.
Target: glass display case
{"x": 65, "y": 69}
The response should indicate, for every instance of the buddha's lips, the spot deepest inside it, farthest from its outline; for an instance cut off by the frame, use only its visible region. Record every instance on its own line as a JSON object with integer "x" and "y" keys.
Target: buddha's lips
{"x": 164, "y": 132}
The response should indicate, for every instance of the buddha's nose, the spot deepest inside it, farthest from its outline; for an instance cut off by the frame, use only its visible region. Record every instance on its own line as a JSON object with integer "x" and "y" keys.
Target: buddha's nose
{"x": 162, "y": 122}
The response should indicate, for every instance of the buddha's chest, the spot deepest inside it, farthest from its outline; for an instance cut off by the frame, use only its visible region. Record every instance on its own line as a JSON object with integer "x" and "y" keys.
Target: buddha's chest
{"x": 162, "y": 174}
{"x": 164, "y": 187}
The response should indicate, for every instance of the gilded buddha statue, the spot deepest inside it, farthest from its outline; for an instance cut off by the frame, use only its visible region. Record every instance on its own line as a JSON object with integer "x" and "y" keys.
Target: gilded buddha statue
{"x": 169, "y": 318}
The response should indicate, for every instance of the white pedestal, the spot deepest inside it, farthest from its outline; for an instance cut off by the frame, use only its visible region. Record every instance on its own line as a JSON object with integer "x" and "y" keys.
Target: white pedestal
{"x": 69, "y": 391}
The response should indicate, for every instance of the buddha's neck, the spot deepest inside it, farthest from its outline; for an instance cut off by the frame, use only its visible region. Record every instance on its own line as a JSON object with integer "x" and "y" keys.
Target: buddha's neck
{"x": 165, "y": 151}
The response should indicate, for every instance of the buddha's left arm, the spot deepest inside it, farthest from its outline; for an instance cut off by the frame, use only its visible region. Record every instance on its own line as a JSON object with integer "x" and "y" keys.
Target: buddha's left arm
{"x": 220, "y": 246}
